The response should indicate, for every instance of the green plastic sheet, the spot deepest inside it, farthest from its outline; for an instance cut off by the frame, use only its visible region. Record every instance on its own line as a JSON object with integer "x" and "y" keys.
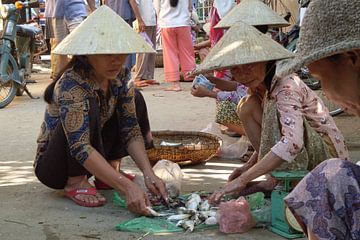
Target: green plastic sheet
{"x": 259, "y": 206}
{"x": 146, "y": 224}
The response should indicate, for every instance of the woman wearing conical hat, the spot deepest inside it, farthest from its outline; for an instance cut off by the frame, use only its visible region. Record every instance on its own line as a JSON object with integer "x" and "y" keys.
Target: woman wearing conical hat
{"x": 326, "y": 202}
{"x": 255, "y": 13}
{"x": 90, "y": 120}
{"x": 286, "y": 123}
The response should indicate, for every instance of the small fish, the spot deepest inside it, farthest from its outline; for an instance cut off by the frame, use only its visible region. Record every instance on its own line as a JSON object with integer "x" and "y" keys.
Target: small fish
{"x": 178, "y": 217}
{"x": 170, "y": 144}
{"x": 155, "y": 213}
{"x": 188, "y": 225}
{"x": 211, "y": 221}
{"x": 193, "y": 201}
{"x": 183, "y": 210}
{"x": 204, "y": 206}
{"x": 196, "y": 219}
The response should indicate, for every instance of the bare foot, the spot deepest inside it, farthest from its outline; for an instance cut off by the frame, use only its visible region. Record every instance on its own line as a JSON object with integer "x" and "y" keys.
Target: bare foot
{"x": 74, "y": 183}
{"x": 174, "y": 87}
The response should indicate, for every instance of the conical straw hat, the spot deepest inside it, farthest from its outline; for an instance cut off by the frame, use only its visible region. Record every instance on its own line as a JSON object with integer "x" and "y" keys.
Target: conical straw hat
{"x": 103, "y": 32}
{"x": 242, "y": 44}
{"x": 254, "y": 13}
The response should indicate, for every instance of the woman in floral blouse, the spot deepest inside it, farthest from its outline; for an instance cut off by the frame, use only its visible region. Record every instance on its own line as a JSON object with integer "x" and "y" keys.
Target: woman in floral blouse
{"x": 326, "y": 202}
{"x": 284, "y": 120}
{"x": 90, "y": 120}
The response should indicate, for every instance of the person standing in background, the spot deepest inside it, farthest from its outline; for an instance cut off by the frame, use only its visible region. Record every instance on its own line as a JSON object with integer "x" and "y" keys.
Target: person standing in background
{"x": 124, "y": 10}
{"x": 49, "y": 34}
{"x": 68, "y": 14}
{"x": 174, "y": 21}
{"x": 145, "y": 62}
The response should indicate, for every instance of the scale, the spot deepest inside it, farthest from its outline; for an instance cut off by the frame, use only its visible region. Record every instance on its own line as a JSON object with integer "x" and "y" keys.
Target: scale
{"x": 283, "y": 221}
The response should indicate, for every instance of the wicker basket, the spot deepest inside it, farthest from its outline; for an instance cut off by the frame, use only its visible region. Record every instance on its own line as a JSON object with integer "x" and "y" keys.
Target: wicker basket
{"x": 190, "y": 147}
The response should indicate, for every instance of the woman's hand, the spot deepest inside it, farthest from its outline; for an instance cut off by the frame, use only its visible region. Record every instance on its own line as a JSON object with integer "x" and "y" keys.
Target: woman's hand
{"x": 237, "y": 185}
{"x": 137, "y": 201}
{"x": 200, "y": 91}
{"x": 240, "y": 170}
{"x": 156, "y": 186}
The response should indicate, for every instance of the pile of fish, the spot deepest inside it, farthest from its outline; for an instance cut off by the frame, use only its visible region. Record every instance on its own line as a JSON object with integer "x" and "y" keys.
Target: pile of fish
{"x": 195, "y": 212}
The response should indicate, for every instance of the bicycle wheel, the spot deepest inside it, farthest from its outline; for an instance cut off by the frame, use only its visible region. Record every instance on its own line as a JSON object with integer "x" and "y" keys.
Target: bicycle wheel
{"x": 309, "y": 80}
{"x": 7, "y": 91}
{"x": 334, "y": 110}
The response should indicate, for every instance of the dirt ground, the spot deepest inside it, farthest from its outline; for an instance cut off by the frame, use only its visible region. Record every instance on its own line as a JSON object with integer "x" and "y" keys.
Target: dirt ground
{"x": 30, "y": 210}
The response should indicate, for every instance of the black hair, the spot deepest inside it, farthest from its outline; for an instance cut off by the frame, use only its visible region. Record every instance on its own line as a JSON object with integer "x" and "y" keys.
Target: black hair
{"x": 174, "y": 3}
{"x": 80, "y": 65}
{"x": 269, "y": 74}
{"x": 262, "y": 28}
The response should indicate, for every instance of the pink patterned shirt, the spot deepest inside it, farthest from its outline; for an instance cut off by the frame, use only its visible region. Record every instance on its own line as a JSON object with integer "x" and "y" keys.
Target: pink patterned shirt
{"x": 295, "y": 101}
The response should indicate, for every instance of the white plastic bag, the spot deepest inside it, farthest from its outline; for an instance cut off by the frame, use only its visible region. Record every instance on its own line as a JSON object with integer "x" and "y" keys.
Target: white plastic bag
{"x": 171, "y": 175}
{"x": 236, "y": 149}
{"x": 231, "y": 147}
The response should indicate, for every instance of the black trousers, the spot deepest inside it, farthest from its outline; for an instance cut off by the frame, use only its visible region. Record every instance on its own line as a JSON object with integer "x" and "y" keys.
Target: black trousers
{"x": 56, "y": 165}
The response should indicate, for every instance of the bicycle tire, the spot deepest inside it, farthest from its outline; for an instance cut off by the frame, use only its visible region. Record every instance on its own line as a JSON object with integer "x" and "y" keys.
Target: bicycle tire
{"x": 334, "y": 110}
{"x": 10, "y": 94}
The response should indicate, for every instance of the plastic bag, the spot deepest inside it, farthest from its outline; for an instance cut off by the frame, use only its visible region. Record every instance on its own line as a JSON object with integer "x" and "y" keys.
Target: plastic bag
{"x": 231, "y": 147}
{"x": 260, "y": 208}
{"x": 171, "y": 175}
{"x": 145, "y": 225}
{"x": 234, "y": 150}
{"x": 235, "y": 216}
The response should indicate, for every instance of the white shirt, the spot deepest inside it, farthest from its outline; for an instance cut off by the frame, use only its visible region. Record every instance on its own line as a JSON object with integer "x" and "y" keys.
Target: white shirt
{"x": 147, "y": 12}
{"x": 223, "y": 6}
{"x": 169, "y": 17}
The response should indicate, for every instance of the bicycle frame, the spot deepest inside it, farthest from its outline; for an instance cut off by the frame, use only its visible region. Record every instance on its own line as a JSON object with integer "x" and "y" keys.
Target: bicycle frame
{"x": 7, "y": 42}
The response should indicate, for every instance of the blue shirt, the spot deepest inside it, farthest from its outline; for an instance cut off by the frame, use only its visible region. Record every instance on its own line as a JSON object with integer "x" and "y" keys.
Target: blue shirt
{"x": 50, "y": 8}
{"x": 70, "y": 9}
{"x": 123, "y": 8}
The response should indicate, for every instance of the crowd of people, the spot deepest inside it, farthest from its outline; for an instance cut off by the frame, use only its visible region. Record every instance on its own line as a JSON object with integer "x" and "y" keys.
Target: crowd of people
{"x": 95, "y": 115}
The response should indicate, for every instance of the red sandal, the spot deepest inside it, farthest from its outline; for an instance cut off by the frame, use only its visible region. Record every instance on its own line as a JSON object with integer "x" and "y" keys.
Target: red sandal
{"x": 84, "y": 191}
{"x": 103, "y": 186}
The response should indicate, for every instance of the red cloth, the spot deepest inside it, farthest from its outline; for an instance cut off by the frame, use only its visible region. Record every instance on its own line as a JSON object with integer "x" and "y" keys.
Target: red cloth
{"x": 215, "y": 35}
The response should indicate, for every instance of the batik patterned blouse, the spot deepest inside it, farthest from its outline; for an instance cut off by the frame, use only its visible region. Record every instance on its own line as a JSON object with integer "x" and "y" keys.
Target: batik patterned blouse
{"x": 295, "y": 101}
{"x": 70, "y": 108}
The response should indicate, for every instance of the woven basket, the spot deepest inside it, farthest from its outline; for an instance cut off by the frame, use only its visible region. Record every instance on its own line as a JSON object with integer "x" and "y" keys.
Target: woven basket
{"x": 191, "y": 147}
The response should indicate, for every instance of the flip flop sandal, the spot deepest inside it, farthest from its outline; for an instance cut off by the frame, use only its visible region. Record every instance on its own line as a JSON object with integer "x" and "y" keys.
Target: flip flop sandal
{"x": 84, "y": 191}
{"x": 140, "y": 84}
{"x": 100, "y": 185}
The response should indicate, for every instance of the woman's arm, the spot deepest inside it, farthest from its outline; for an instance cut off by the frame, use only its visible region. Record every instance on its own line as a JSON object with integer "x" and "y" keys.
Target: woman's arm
{"x": 137, "y": 152}
{"x": 136, "y": 199}
{"x": 200, "y": 91}
{"x": 269, "y": 163}
{"x": 157, "y": 6}
{"x": 202, "y": 44}
{"x": 136, "y": 10}
{"x": 224, "y": 85}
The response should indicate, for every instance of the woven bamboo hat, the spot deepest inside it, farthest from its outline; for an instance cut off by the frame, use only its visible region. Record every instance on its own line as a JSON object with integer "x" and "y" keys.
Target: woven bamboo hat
{"x": 242, "y": 44}
{"x": 254, "y": 13}
{"x": 103, "y": 32}
{"x": 328, "y": 28}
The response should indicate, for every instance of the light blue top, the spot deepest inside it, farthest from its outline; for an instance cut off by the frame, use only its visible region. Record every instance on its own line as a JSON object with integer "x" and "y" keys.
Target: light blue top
{"x": 123, "y": 8}
{"x": 49, "y": 8}
{"x": 70, "y": 9}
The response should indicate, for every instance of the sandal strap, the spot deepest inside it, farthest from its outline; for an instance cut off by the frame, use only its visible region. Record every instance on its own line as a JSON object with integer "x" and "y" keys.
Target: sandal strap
{"x": 85, "y": 191}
